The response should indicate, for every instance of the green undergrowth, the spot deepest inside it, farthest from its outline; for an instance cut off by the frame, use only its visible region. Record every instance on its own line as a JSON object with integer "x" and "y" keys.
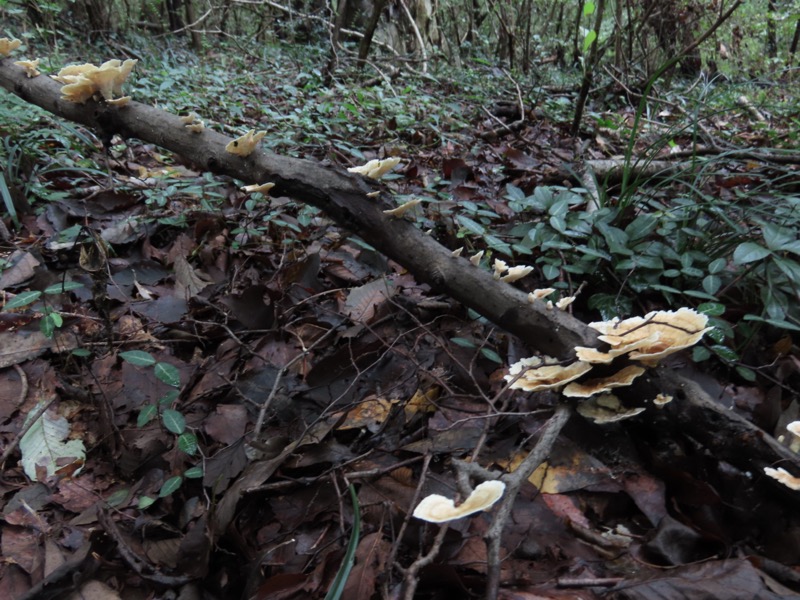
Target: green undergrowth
{"x": 696, "y": 237}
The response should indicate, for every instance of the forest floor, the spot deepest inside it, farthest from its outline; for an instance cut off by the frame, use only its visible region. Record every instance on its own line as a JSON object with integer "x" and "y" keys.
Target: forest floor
{"x": 219, "y": 369}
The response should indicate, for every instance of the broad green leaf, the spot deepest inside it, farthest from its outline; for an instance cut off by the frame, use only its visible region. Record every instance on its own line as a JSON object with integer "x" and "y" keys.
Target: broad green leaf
{"x": 81, "y": 352}
{"x": 514, "y": 193}
{"x": 641, "y": 226}
{"x": 492, "y": 355}
{"x": 167, "y": 373}
{"x": 145, "y": 502}
{"x": 589, "y": 40}
{"x": 138, "y": 358}
{"x": 725, "y": 352}
{"x": 173, "y": 421}
{"x": 776, "y": 237}
{"x": 745, "y": 373}
{"x": 748, "y": 252}
{"x": 146, "y": 415}
{"x": 789, "y": 267}
{"x": 712, "y": 309}
{"x": 711, "y": 284}
{"x": 170, "y": 486}
{"x": 193, "y": 473}
{"x": 781, "y": 324}
{"x": 717, "y": 265}
{"x": 496, "y": 244}
{"x": 588, "y": 9}
{"x": 463, "y": 342}
{"x": 169, "y": 397}
{"x": 700, "y": 353}
{"x": 118, "y": 497}
{"x": 61, "y": 288}
{"x": 470, "y": 225}
{"x": 187, "y": 443}
{"x": 22, "y": 299}
{"x": 550, "y": 271}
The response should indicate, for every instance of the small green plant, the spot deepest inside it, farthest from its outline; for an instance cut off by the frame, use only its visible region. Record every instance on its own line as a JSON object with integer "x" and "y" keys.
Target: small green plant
{"x": 51, "y": 318}
{"x": 171, "y": 419}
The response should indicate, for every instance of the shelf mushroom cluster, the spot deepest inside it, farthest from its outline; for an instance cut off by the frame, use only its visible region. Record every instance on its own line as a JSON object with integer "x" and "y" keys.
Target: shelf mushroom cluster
{"x": 82, "y": 82}
{"x": 645, "y": 339}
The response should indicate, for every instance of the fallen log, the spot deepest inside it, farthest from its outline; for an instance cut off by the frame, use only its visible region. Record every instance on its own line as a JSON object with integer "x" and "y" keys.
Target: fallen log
{"x": 343, "y": 197}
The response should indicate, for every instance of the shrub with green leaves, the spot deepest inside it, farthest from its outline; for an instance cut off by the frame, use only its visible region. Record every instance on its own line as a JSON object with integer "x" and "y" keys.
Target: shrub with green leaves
{"x": 170, "y": 418}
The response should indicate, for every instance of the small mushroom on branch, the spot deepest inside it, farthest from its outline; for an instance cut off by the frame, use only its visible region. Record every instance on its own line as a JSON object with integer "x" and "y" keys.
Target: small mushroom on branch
{"x": 244, "y": 145}
{"x": 438, "y": 509}
{"x": 543, "y": 373}
{"x": 262, "y": 188}
{"x": 375, "y": 169}
{"x": 403, "y": 208}
{"x": 591, "y": 387}
{"x": 31, "y": 67}
{"x": 8, "y": 45}
{"x": 782, "y": 475}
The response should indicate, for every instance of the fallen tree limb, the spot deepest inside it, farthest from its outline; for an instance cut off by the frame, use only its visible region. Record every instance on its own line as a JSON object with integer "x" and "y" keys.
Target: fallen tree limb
{"x": 343, "y": 197}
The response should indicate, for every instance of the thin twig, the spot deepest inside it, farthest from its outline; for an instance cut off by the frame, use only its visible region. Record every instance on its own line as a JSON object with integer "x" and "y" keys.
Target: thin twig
{"x": 513, "y": 483}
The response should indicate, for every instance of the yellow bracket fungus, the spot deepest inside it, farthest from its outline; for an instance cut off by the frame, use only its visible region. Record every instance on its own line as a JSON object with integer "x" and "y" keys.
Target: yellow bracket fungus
{"x": 403, "y": 208}
{"x": 7, "y": 46}
{"x": 85, "y": 81}
{"x": 31, "y": 67}
{"x": 543, "y": 373}
{"x": 438, "y": 509}
{"x": 375, "y": 169}
{"x": 263, "y": 188}
{"x": 244, "y": 145}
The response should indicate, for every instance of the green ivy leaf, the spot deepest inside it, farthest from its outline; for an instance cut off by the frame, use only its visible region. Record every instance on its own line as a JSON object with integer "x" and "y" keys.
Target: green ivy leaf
{"x": 193, "y": 473}
{"x": 700, "y": 353}
{"x": 746, "y": 373}
{"x": 22, "y": 299}
{"x": 63, "y": 287}
{"x": 138, "y": 358}
{"x": 187, "y": 443}
{"x": 145, "y": 502}
{"x": 748, "y": 252}
{"x": 712, "y": 309}
{"x": 463, "y": 342}
{"x": 167, "y": 373}
{"x": 169, "y": 397}
{"x": 492, "y": 355}
{"x": 589, "y": 40}
{"x": 173, "y": 421}
{"x": 118, "y": 497}
{"x": 170, "y": 486}
{"x": 146, "y": 415}
{"x": 725, "y": 353}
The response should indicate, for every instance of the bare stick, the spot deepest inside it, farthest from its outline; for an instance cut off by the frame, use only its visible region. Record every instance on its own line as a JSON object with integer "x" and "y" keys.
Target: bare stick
{"x": 513, "y": 483}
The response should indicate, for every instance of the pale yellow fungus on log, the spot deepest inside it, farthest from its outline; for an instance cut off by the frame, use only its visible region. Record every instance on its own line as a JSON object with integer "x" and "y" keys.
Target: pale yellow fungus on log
{"x": 8, "y": 45}
{"x": 31, "y": 67}
{"x": 244, "y": 145}
{"x": 375, "y": 169}
{"x": 403, "y": 208}
{"x": 543, "y": 373}
{"x": 263, "y": 188}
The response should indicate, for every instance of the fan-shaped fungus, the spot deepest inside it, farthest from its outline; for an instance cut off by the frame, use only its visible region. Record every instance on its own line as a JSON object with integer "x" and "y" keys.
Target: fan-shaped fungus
{"x": 438, "y": 509}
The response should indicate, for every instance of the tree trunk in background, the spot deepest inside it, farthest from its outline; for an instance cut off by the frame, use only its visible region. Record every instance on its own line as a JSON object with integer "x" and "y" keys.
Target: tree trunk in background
{"x": 191, "y": 17}
{"x": 341, "y": 15}
{"x": 589, "y": 66}
{"x": 366, "y": 41}
{"x": 173, "y": 8}
{"x": 772, "y": 36}
{"x": 795, "y": 41}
